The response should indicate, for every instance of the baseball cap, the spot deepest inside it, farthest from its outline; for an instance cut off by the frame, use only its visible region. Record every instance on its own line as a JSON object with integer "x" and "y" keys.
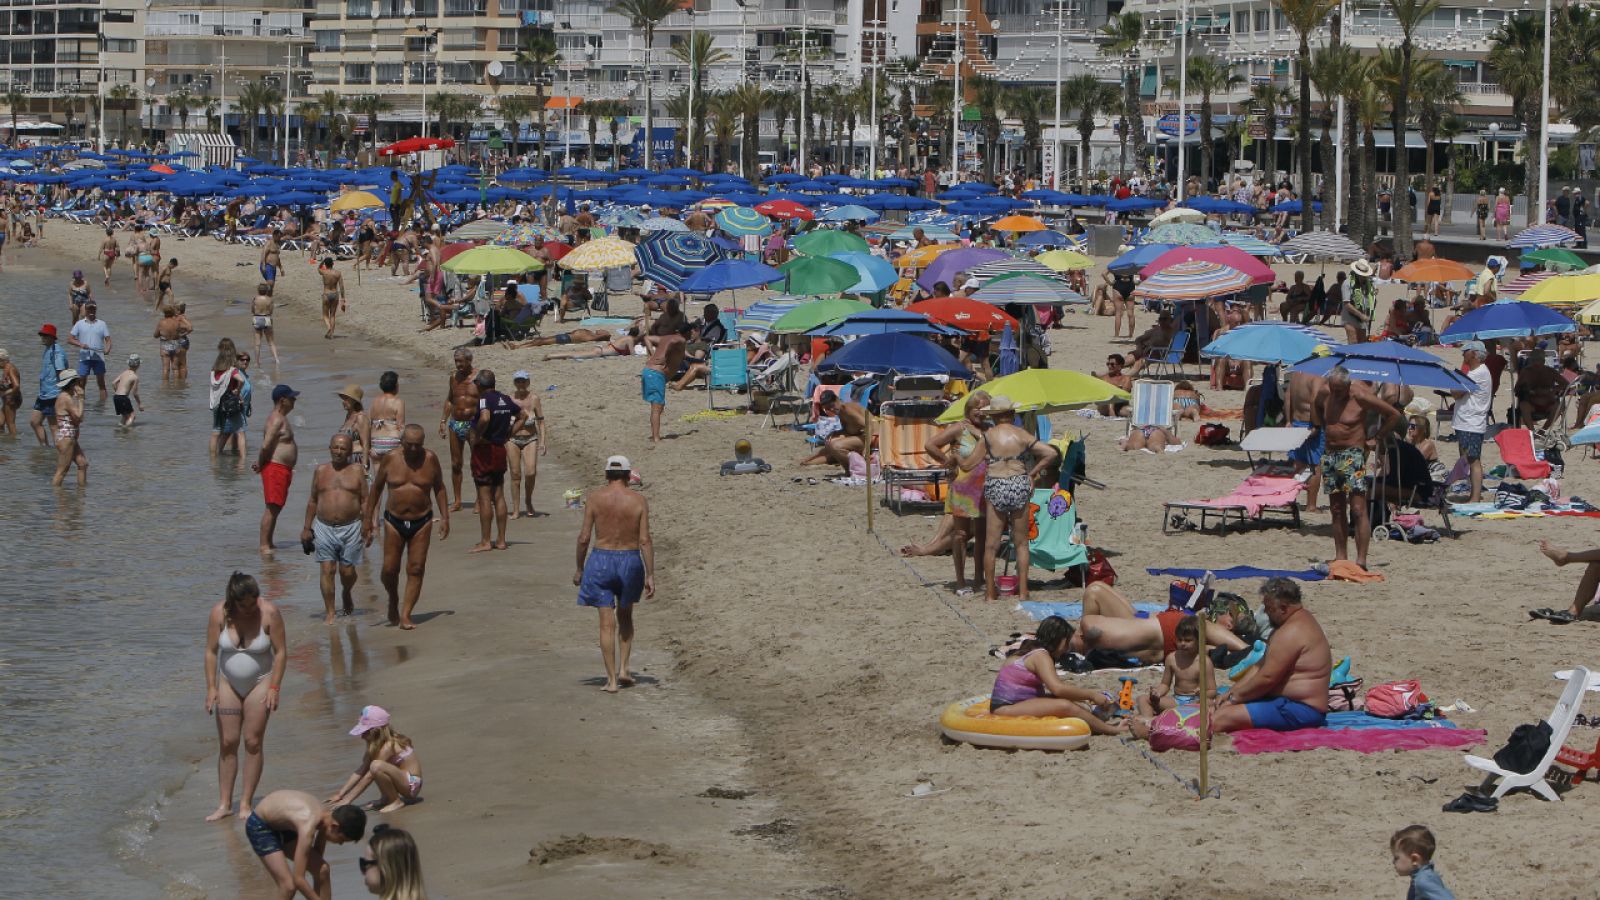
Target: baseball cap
{"x": 1474, "y": 345}
{"x": 47, "y": 329}
{"x": 282, "y": 391}
{"x": 618, "y": 464}
{"x": 520, "y": 375}
{"x": 371, "y": 717}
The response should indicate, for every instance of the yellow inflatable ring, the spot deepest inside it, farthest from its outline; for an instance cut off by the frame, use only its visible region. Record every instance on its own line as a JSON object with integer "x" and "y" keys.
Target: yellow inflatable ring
{"x": 971, "y": 722}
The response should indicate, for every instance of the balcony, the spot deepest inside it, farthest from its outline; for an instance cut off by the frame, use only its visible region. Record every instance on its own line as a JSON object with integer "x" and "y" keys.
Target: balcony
{"x": 270, "y": 32}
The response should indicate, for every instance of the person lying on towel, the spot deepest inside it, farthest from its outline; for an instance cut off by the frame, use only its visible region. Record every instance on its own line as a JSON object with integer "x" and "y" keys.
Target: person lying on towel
{"x": 1289, "y": 688}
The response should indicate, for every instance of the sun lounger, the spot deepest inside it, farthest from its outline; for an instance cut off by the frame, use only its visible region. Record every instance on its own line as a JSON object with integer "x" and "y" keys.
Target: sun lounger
{"x": 905, "y": 427}
{"x": 1267, "y": 441}
{"x": 1252, "y": 500}
{"x": 1516, "y": 449}
{"x": 1560, "y": 720}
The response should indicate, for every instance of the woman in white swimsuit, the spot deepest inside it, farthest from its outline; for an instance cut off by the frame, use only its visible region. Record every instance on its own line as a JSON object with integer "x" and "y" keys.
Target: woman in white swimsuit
{"x": 246, "y": 652}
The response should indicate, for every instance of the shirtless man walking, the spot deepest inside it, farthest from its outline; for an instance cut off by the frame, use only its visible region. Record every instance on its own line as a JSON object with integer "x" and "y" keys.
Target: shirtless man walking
{"x": 1303, "y": 388}
{"x": 1289, "y": 688}
{"x": 261, "y": 320}
{"x": 333, "y": 301}
{"x": 1340, "y": 411}
{"x": 621, "y": 566}
{"x": 275, "y": 462}
{"x": 290, "y": 830}
{"x": 460, "y": 409}
{"x": 415, "y": 482}
{"x": 333, "y": 526}
{"x": 658, "y": 370}
{"x": 271, "y": 260}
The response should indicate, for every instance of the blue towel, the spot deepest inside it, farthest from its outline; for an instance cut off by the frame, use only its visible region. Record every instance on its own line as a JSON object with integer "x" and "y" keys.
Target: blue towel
{"x": 1237, "y": 572}
{"x": 1341, "y": 721}
{"x": 1039, "y": 610}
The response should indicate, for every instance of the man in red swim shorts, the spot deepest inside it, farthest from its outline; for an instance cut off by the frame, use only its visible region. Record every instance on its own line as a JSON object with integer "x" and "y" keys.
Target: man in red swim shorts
{"x": 276, "y": 461}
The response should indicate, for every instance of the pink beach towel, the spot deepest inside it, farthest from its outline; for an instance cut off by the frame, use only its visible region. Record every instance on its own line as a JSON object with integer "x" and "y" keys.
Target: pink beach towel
{"x": 1259, "y": 491}
{"x": 1361, "y": 740}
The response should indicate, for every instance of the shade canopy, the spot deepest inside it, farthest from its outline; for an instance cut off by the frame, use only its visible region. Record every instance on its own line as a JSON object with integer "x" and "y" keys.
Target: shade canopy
{"x": 1268, "y": 342}
{"x": 1259, "y": 272}
{"x": 882, "y": 321}
{"x": 813, "y": 275}
{"x": 827, "y": 241}
{"x": 816, "y": 313}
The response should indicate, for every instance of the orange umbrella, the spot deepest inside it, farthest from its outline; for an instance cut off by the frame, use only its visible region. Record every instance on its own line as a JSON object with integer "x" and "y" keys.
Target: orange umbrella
{"x": 922, "y": 256}
{"x": 1018, "y": 223}
{"x": 163, "y": 169}
{"x": 965, "y": 313}
{"x": 1434, "y": 271}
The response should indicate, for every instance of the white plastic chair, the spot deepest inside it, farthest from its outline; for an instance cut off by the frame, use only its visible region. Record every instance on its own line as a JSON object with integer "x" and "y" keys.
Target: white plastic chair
{"x": 1560, "y": 720}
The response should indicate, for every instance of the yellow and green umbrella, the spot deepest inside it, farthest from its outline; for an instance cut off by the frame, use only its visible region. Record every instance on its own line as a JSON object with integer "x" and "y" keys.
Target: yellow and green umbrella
{"x": 492, "y": 261}
{"x": 1064, "y": 260}
{"x": 1045, "y": 391}
{"x": 817, "y": 313}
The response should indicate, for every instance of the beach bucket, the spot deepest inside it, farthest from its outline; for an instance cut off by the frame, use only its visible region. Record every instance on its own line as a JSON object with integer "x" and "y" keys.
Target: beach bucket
{"x": 1007, "y": 584}
{"x": 572, "y": 499}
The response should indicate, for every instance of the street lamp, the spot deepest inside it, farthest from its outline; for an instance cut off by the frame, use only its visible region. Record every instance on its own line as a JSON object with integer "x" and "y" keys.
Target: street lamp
{"x": 1055, "y": 134}
{"x": 1537, "y": 213}
{"x": 876, "y": 27}
{"x": 430, "y": 47}
{"x": 958, "y": 17}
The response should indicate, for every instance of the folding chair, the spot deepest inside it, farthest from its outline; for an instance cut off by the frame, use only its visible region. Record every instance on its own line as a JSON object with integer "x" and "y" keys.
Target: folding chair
{"x": 1152, "y": 405}
{"x": 902, "y": 449}
{"x": 1516, "y": 450}
{"x": 775, "y": 381}
{"x": 1560, "y": 720}
{"x": 1054, "y": 544}
{"x": 729, "y": 372}
{"x": 1170, "y": 358}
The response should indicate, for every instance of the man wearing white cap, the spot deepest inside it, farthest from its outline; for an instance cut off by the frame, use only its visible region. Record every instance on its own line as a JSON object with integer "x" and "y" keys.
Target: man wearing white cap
{"x": 620, "y": 568}
{"x": 1471, "y": 416}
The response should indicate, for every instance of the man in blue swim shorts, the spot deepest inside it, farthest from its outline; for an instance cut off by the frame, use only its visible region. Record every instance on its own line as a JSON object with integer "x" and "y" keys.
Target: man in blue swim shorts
{"x": 1303, "y": 387}
{"x": 1289, "y": 688}
{"x": 290, "y": 830}
{"x": 620, "y": 568}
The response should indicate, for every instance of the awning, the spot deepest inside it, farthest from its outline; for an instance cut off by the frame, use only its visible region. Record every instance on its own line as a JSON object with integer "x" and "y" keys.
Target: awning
{"x": 1462, "y": 63}
{"x": 563, "y": 102}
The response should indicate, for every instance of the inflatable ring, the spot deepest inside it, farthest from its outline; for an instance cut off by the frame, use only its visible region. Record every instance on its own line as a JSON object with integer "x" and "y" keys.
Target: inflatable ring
{"x": 971, "y": 722}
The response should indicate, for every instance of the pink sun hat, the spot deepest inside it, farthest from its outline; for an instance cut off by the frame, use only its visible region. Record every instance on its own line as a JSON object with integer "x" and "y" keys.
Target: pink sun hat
{"x": 371, "y": 717}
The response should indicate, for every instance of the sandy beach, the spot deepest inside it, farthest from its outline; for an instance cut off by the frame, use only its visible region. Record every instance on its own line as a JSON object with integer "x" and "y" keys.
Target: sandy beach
{"x": 792, "y": 654}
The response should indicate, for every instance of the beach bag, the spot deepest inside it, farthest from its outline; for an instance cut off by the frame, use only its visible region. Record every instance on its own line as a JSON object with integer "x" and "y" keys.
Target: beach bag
{"x": 1395, "y": 699}
{"x": 1175, "y": 730}
{"x": 1100, "y": 570}
{"x": 1510, "y": 495}
{"x": 1525, "y": 749}
{"x": 1179, "y": 592}
{"x": 1346, "y": 696}
{"x": 1212, "y": 434}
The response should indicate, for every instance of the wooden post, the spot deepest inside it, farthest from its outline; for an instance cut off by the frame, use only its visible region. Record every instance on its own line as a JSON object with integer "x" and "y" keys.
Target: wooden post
{"x": 866, "y": 455}
{"x": 1205, "y": 708}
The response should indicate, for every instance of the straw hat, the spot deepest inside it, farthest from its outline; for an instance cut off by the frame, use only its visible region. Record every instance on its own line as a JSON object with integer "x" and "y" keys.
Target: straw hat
{"x": 66, "y": 377}
{"x": 1000, "y": 405}
{"x": 352, "y": 392}
{"x": 1362, "y": 268}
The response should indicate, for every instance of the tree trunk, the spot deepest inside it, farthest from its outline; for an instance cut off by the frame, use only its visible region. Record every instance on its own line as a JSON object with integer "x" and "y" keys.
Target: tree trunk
{"x": 1368, "y": 162}
{"x": 1427, "y": 170}
{"x": 1530, "y": 166}
{"x": 1402, "y": 162}
{"x": 1355, "y": 201}
{"x": 1130, "y": 104}
{"x": 1207, "y": 151}
{"x": 1304, "y": 138}
{"x": 1083, "y": 160}
{"x": 1328, "y": 157}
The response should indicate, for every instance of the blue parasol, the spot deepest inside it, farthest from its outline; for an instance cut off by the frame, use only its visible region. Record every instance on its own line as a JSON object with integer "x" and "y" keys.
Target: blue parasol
{"x": 1388, "y": 362}
{"x": 900, "y": 354}
{"x": 1010, "y": 361}
{"x": 1505, "y": 319}
{"x": 882, "y": 321}
{"x": 1268, "y": 342}
{"x": 729, "y": 275}
{"x": 876, "y": 273}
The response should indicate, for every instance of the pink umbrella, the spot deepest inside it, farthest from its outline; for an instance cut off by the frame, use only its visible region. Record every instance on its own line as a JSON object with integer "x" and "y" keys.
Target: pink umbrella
{"x": 1232, "y": 257}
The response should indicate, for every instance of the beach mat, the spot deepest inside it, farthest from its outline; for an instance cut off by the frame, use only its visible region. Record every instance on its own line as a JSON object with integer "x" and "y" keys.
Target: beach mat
{"x": 1236, "y": 572}
{"x": 1039, "y": 610}
{"x": 604, "y": 322}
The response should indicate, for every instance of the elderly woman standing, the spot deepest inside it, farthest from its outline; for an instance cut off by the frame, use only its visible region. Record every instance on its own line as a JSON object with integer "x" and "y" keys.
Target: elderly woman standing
{"x": 964, "y": 498}
{"x": 1007, "y": 487}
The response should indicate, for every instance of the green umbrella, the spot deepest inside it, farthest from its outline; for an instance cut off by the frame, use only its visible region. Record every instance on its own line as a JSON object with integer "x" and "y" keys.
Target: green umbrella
{"x": 827, "y": 241}
{"x": 812, "y": 275}
{"x": 491, "y": 260}
{"x": 817, "y": 313}
{"x": 1556, "y": 256}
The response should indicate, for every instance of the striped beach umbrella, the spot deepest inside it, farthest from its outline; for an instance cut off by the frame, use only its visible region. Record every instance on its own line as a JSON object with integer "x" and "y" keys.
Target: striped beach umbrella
{"x": 1324, "y": 245}
{"x": 1194, "y": 280}
{"x": 599, "y": 255}
{"x": 1541, "y": 236}
{"x": 996, "y": 268}
{"x": 1524, "y": 282}
{"x": 669, "y": 258}
{"x": 760, "y": 316}
{"x": 1258, "y": 271}
{"x": 662, "y": 223}
{"x": 739, "y": 221}
{"x": 1250, "y": 244}
{"x": 1181, "y": 233}
{"x": 1027, "y": 289}
{"x": 621, "y": 217}
{"x": 711, "y": 204}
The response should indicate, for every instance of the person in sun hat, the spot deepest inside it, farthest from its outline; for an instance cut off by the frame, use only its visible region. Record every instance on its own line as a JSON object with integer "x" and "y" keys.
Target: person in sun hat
{"x": 620, "y": 568}
{"x": 1360, "y": 302}
{"x": 357, "y": 424}
{"x": 390, "y": 762}
{"x": 69, "y": 419}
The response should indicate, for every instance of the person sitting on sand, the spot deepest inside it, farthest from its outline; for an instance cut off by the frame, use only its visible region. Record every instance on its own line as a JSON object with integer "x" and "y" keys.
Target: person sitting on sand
{"x": 840, "y": 442}
{"x": 1180, "y": 683}
{"x": 1110, "y": 623}
{"x": 621, "y": 345}
{"x": 1116, "y": 375}
{"x": 289, "y": 831}
{"x": 1588, "y": 583}
{"x": 390, "y": 762}
{"x": 1027, "y": 685}
{"x": 1152, "y": 341}
{"x": 1538, "y": 391}
{"x": 1289, "y": 688}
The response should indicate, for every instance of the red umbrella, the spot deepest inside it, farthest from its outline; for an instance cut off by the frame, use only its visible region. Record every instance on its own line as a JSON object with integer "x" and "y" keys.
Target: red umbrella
{"x": 450, "y": 251}
{"x": 556, "y": 249}
{"x": 1232, "y": 257}
{"x": 785, "y": 209}
{"x": 965, "y": 313}
{"x": 413, "y": 145}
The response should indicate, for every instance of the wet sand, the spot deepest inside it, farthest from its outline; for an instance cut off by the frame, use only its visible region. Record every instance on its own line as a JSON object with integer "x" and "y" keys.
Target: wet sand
{"x": 799, "y": 658}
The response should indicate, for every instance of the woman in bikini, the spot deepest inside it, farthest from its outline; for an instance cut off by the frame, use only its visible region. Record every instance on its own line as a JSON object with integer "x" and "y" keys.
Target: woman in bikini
{"x": 964, "y": 494}
{"x": 246, "y": 655}
{"x": 78, "y": 293}
{"x": 388, "y": 417}
{"x": 109, "y": 251}
{"x": 10, "y": 394}
{"x": 185, "y": 328}
{"x": 1007, "y": 487}
{"x": 529, "y": 441}
{"x": 390, "y": 762}
{"x": 356, "y": 424}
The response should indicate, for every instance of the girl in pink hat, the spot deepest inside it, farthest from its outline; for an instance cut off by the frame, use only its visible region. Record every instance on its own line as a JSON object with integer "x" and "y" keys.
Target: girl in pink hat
{"x": 390, "y": 762}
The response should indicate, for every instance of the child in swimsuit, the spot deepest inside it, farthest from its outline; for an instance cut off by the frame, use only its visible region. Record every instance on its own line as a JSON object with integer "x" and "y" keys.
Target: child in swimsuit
{"x": 1027, "y": 685}
{"x": 1186, "y": 401}
{"x": 1180, "y": 684}
{"x": 390, "y": 762}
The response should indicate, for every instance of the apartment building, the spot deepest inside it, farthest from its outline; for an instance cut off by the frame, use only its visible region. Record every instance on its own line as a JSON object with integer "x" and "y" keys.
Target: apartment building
{"x": 55, "y": 57}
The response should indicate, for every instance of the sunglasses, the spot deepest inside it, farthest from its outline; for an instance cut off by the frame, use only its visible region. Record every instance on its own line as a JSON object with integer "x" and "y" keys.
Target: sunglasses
{"x": 365, "y": 864}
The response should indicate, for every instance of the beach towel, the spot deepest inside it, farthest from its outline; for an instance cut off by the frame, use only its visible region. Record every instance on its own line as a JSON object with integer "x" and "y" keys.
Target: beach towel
{"x": 1347, "y": 570}
{"x": 1039, "y": 610}
{"x": 1236, "y": 572}
{"x": 1361, "y": 740}
{"x": 1258, "y": 492}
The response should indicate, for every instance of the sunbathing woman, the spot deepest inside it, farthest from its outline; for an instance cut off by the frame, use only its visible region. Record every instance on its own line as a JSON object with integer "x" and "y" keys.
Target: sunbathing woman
{"x": 1027, "y": 684}
{"x": 621, "y": 345}
{"x": 1186, "y": 401}
{"x": 1007, "y": 486}
{"x": 390, "y": 762}
{"x": 1110, "y": 623}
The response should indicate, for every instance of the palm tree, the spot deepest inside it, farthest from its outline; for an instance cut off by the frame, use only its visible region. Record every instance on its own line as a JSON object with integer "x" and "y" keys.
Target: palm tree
{"x": 1124, "y": 35}
{"x": 987, "y": 95}
{"x": 122, "y": 94}
{"x": 272, "y": 103}
{"x": 748, "y": 100}
{"x": 1331, "y": 69}
{"x": 784, "y": 105}
{"x": 645, "y": 15}
{"x": 1028, "y": 105}
{"x": 725, "y": 124}
{"x": 1306, "y": 16}
{"x": 614, "y": 111}
{"x": 697, "y": 53}
{"x": 514, "y": 110}
{"x": 677, "y": 107}
{"x": 1438, "y": 94}
{"x": 249, "y": 103}
{"x": 539, "y": 54}
{"x": 456, "y": 109}
{"x": 371, "y": 106}
{"x": 1090, "y": 97}
{"x": 1408, "y": 15}
{"x": 907, "y": 100}
{"x": 1450, "y": 127}
{"x": 181, "y": 101}
{"x": 1370, "y": 104}
{"x": 941, "y": 96}
{"x": 1208, "y": 75}
{"x": 15, "y": 98}
{"x": 1517, "y": 56}
{"x": 310, "y": 113}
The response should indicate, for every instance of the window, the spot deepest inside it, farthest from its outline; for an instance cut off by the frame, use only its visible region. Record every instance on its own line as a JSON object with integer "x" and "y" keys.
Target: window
{"x": 115, "y": 16}
{"x": 357, "y": 73}
{"x": 1262, "y": 20}
{"x": 358, "y": 9}
{"x": 327, "y": 40}
{"x": 390, "y": 73}
{"x": 465, "y": 7}
{"x": 121, "y": 45}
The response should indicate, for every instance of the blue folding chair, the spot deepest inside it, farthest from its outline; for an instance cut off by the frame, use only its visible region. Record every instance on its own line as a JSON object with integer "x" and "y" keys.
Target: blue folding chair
{"x": 1170, "y": 359}
{"x": 729, "y": 372}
